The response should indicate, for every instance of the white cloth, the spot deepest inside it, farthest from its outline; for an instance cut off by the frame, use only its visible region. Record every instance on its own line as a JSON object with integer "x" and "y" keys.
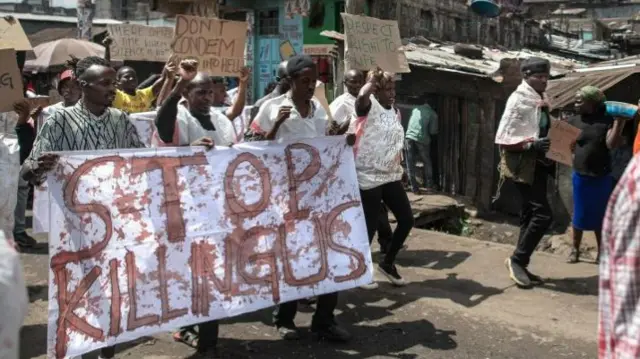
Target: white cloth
{"x": 380, "y": 139}
{"x": 520, "y": 121}
{"x": 189, "y": 128}
{"x": 343, "y": 108}
{"x": 296, "y": 126}
{"x": 10, "y": 169}
{"x": 13, "y": 299}
{"x": 13, "y": 295}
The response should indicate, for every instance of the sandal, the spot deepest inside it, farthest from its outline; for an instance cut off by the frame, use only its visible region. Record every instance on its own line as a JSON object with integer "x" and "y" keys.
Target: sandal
{"x": 187, "y": 337}
{"x": 574, "y": 257}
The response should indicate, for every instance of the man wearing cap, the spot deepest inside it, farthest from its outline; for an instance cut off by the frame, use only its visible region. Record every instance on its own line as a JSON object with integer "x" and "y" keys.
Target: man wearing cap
{"x": 69, "y": 90}
{"x": 522, "y": 137}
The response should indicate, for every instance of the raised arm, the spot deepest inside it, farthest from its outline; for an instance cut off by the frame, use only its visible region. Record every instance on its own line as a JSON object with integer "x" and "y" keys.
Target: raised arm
{"x": 614, "y": 135}
{"x": 166, "y": 118}
{"x": 363, "y": 101}
{"x": 167, "y": 85}
{"x": 238, "y": 105}
{"x": 169, "y": 67}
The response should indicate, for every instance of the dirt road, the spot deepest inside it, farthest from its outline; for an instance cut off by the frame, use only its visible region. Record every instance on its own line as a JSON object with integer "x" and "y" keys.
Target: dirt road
{"x": 459, "y": 304}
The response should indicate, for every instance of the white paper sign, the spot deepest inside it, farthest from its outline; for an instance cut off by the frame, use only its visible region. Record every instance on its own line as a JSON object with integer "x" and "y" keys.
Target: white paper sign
{"x": 146, "y": 241}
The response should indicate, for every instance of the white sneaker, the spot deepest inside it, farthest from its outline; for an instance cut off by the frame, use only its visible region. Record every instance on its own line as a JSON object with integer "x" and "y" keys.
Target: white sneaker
{"x": 370, "y": 286}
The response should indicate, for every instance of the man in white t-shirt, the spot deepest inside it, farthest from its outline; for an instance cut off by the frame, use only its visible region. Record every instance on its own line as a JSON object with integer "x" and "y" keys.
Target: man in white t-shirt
{"x": 343, "y": 108}
{"x": 291, "y": 116}
{"x": 187, "y": 116}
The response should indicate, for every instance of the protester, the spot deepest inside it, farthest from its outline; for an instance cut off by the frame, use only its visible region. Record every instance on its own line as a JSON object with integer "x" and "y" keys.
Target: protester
{"x": 423, "y": 125}
{"x": 380, "y": 139}
{"x": 619, "y": 297}
{"x": 282, "y": 86}
{"x": 188, "y": 113}
{"x": 522, "y": 137}
{"x": 91, "y": 124}
{"x": 13, "y": 292}
{"x": 188, "y": 117}
{"x": 26, "y": 133}
{"x": 592, "y": 180}
{"x": 296, "y": 115}
{"x": 69, "y": 90}
{"x": 133, "y": 100}
{"x": 343, "y": 108}
{"x": 220, "y": 98}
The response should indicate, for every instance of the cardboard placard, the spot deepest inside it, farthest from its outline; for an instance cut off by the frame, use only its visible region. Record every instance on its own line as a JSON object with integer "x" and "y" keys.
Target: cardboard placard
{"x": 562, "y": 135}
{"x": 11, "y": 89}
{"x": 140, "y": 43}
{"x": 170, "y": 237}
{"x": 218, "y": 45}
{"x": 12, "y": 36}
{"x": 371, "y": 43}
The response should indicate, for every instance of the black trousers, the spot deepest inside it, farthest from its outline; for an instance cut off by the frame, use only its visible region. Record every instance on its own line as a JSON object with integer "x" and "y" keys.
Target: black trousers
{"x": 535, "y": 215}
{"x": 385, "y": 233}
{"x": 285, "y": 313}
{"x": 395, "y": 198}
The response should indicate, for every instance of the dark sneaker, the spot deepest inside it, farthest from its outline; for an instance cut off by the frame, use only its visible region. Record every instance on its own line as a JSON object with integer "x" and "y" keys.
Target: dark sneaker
{"x": 574, "y": 256}
{"x": 537, "y": 280}
{"x": 517, "y": 273}
{"x": 289, "y": 332}
{"x": 333, "y": 334}
{"x": 390, "y": 271}
{"x": 24, "y": 240}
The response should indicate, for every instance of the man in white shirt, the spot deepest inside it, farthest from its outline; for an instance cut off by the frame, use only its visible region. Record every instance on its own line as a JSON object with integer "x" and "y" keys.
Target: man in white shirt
{"x": 343, "y": 107}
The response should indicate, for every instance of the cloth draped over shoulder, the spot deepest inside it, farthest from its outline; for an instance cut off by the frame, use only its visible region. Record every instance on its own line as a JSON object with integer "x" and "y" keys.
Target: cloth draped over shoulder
{"x": 521, "y": 117}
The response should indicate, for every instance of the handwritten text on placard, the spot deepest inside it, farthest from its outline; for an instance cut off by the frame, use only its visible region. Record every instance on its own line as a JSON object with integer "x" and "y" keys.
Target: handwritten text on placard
{"x": 140, "y": 43}
{"x": 218, "y": 45}
{"x": 149, "y": 240}
{"x": 372, "y": 42}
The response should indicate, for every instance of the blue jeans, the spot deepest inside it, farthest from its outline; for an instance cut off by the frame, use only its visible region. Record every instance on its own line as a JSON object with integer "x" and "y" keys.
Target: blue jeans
{"x": 418, "y": 151}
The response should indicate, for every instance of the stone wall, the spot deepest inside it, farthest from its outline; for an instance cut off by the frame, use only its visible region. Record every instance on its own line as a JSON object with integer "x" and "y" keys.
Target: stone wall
{"x": 451, "y": 20}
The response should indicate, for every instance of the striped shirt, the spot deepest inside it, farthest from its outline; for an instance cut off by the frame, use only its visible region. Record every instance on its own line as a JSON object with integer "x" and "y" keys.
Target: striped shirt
{"x": 619, "y": 300}
{"x": 76, "y": 129}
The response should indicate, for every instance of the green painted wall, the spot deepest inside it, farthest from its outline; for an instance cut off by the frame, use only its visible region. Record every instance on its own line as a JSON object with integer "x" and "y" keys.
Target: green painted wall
{"x": 331, "y": 18}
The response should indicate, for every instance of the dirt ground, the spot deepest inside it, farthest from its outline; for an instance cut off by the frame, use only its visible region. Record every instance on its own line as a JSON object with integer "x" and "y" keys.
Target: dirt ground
{"x": 459, "y": 304}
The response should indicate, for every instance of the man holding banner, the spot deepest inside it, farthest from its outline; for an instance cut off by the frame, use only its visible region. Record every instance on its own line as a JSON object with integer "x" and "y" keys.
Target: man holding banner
{"x": 89, "y": 125}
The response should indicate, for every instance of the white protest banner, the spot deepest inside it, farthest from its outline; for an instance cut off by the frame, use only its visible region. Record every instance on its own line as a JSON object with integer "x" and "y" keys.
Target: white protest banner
{"x": 218, "y": 45}
{"x": 145, "y": 125}
{"x": 140, "y": 43}
{"x": 148, "y": 240}
{"x": 371, "y": 42}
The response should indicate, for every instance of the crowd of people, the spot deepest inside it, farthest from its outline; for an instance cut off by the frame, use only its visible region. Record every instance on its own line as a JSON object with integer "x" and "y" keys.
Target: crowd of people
{"x": 193, "y": 109}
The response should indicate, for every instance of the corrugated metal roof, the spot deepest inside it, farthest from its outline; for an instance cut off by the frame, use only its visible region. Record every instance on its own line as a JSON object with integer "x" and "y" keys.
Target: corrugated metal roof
{"x": 576, "y": 11}
{"x": 56, "y": 33}
{"x": 635, "y": 60}
{"x": 444, "y": 58}
{"x": 55, "y": 18}
{"x": 561, "y": 92}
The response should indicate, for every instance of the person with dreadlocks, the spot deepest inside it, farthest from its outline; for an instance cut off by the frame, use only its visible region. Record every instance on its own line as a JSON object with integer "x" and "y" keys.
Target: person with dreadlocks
{"x": 592, "y": 180}
{"x": 133, "y": 100}
{"x": 91, "y": 124}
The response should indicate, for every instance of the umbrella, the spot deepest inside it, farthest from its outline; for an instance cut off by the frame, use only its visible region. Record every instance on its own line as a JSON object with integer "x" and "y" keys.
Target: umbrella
{"x": 50, "y": 56}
